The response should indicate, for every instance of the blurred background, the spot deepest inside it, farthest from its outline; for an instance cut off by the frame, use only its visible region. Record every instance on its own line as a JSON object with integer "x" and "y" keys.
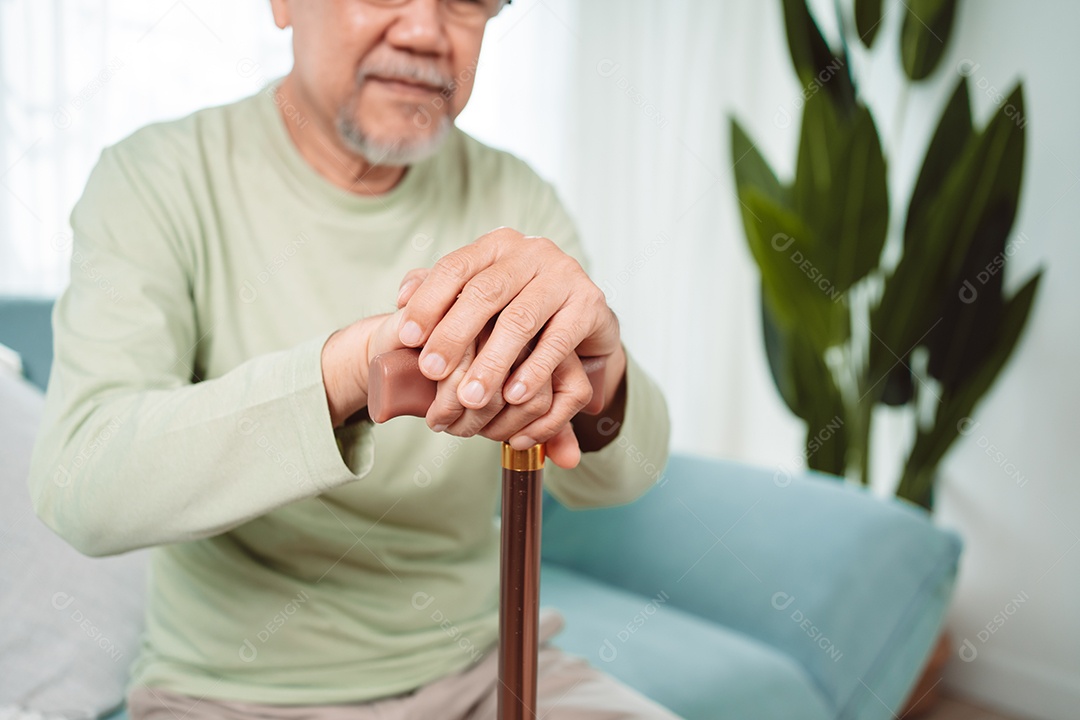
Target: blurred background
{"x": 625, "y": 106}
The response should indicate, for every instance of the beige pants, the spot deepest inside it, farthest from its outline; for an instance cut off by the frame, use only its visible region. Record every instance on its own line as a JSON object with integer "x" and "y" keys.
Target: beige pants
{"x": 568, "y": 689}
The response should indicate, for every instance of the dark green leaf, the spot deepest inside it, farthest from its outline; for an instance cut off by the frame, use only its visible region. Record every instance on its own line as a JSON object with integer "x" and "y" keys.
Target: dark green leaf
{"x": 924, "y": 35}
{"x": 841, "y": 191}
{"x": 781, "y": 244}
{"x": 781, "y": 356}
{"x": 905, "y": 290}
{"x": 898, "y": 387}
{"x": 827, "y": 440}
{"x": 807, "y": 387}
{"x": 958, "y": 405}
{"x": 973, "y": 307}
{"x": 814, "y": 62}
{"x": 938, "y": 237}
{"x": 867, "y": 20}
{"x": 953, "y": 134}
{"x": 751, "y": 169}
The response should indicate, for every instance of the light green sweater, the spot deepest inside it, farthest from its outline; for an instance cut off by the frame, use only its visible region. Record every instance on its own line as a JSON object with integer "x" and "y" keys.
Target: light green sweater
{"x": 186, "y": 410}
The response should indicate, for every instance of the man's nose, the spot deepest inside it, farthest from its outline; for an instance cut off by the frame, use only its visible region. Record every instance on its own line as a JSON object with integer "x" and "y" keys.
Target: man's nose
{"x": 420, "y": 27}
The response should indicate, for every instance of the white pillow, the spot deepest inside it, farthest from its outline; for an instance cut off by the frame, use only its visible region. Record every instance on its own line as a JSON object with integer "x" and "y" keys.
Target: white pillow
{"x": 69, "y": 624}
{"x": 11, "y": 365}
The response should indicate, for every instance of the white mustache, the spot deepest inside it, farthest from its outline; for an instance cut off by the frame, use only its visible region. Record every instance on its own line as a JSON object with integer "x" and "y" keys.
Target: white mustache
{"x": 407, "y": 71}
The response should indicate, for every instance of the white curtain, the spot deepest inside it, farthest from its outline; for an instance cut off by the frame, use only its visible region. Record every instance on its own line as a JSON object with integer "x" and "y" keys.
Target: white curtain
{"x": 650, "y": 182}
{"x": 77, "y": 75}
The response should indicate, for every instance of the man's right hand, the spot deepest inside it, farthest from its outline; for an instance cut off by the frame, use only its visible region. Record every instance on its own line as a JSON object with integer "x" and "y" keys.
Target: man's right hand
{"x": 346, "y": 380}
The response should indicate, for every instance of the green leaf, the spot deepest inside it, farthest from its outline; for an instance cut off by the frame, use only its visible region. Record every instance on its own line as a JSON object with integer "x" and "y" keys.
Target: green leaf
{"x": 973, "y": 307}
{"x": 959, "y": 404}
{"x": 905, "y": 290}
{"x": 781, "y": 244}
{"x": 899, "y": 387}
{"x": 841, "y": 190}
{"x": 939, "y": 234}
{"x": 815, "y": 64}
{"x": 827, "y": 441}
{"x": 751, "y": 169}
{"x": 1000, "y": 176}
{"x": 953, "y": 134}
{"x": 780, "y": 353}
{"x": 867, "y": 20}
{"x": 924, "y": 35}
{"x": 809, "y": 390}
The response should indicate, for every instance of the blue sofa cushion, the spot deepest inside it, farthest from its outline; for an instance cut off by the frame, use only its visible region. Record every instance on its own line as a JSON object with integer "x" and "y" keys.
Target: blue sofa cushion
{"x": 694, "y": 667}
{"x": 851, "y": 587}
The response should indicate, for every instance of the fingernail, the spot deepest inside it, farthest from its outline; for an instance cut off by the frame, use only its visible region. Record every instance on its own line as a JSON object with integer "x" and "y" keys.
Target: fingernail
{"x": 434, "y": 364}
{"x": 516, "y": 392}
{"x": 410, "y": 333}
{"x": 473, "y": 393}
{"x": 439, "y": 428}
{"x": 405, "y": 289}
{"x": 522, "y": 442}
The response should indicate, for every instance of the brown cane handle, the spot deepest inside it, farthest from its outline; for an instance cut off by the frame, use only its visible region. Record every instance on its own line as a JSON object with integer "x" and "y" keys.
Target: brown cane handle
{"x": 397, "y": 387}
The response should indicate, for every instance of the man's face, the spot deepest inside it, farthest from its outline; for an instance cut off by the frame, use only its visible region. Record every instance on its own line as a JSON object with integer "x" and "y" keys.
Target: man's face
{"x": 390, "y": 79}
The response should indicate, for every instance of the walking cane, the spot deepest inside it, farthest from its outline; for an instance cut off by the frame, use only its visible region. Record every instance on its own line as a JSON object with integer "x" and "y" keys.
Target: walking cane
{"x": 396, "y": 387}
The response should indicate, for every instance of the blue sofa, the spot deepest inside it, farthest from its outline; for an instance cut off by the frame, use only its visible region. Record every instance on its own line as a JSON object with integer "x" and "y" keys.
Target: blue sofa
{"x": 728, "y": 591}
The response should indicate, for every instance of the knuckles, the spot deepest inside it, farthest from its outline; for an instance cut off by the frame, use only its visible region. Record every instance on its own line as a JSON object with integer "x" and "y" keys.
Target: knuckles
{"x": 522, "y": 319}
{"x": 487, "y": 290}
{"x": 456, "y": 265}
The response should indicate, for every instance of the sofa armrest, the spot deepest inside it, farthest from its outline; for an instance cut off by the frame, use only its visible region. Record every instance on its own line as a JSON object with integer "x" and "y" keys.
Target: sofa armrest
{"x": 26, "y": 327}
{"x": 854, "y": 588}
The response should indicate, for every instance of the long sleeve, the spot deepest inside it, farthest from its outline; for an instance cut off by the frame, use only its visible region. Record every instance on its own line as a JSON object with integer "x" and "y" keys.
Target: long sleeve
{"x": 132, "y": 452}
{"x": 633, "y": 461}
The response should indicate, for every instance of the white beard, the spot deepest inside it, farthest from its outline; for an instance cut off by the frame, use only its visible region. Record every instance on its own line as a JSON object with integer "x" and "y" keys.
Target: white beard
{"x": 391, "y": 152}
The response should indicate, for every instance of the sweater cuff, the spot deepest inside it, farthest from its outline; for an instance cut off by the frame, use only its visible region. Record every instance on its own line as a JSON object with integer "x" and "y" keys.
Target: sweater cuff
{"x": 631, "y": 463}
{"x": 640, "y": 443}
{"x": 334, "y": 456}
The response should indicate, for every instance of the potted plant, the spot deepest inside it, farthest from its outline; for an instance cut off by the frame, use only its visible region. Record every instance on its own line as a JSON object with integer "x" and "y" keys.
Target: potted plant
{"x": 852, "y": 318}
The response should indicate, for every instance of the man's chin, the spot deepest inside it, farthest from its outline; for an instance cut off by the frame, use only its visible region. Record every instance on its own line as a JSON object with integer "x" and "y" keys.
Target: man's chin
{"x": 395, "y": 151}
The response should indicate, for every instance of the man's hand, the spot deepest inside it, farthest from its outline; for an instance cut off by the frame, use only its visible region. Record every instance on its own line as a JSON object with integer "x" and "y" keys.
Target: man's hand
{"x": 346, "y": 358}
{"x": 524, "y": 424}
{"x": 535, "y": 289}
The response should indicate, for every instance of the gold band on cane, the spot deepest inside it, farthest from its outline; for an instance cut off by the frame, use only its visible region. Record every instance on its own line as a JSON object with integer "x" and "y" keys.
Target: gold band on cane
{"x": 531, "y": 459}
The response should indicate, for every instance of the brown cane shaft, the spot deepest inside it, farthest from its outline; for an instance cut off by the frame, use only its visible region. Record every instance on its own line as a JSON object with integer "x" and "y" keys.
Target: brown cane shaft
{"x": 519, "y": 583}
{"x": 396, "y": 387}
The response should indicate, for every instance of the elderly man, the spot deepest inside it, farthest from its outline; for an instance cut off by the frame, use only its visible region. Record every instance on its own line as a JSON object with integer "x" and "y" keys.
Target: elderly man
{"x": 209, "y": 391}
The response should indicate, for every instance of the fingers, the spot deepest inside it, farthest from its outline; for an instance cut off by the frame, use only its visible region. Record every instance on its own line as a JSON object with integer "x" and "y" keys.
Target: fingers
{"x": 439, "y": 291}
{"x": 383, "y": 337}
{"x": 446, "y": 409}
{"x": 538, "y": 296}
{"x": 409, "y": 284}
{"x": 544, "y": 418}
{"x": 569, "y": 333}
{"x": 482, "y": 298}
{"x": 446, "y": 414}
{"x": 570, "y": 392}
{"x": 516, "y": 326}
{"x": 563, "y": 449}
{"x": 512, "y": 418}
